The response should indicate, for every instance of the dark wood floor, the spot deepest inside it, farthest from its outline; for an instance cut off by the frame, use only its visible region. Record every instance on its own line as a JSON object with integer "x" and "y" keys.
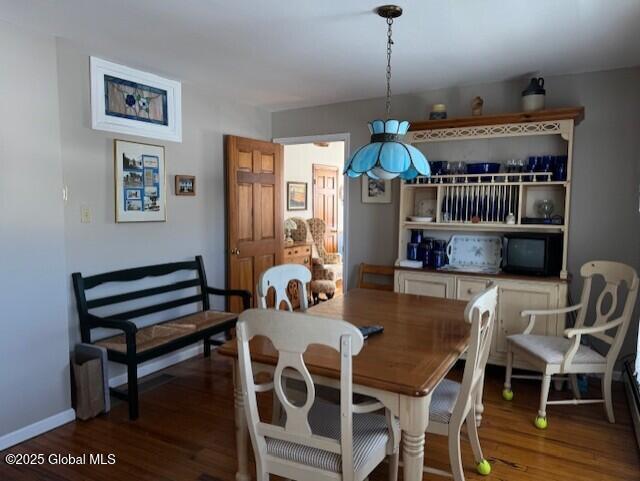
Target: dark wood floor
{"x": 185, "y": 432}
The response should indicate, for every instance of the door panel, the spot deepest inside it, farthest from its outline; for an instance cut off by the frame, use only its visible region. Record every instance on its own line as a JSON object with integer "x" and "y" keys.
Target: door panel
{"x": 325, "y": 202}
{"x": 513, "y": 299}
{"x": 243, "y": 266}
{"x": 245, "y": 212}
{"x": 268, "y": 215}
{"x": 255, "y": 233}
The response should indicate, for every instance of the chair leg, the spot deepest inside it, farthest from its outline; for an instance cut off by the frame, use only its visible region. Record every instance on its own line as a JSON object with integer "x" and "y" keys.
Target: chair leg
{"x": 132, "y": 390}
{"x": 479, "y": 405}
{"x": 482, "y": 465}
{"x": 573, "y": 378}
{"x": 455, "y": 459}
{"x": 207, "y": 347}
{"x": 606, "y": 393}
{"x": 507, "y": 393}
{"x": 541, "y": 420}
{"x": 394, "y": 461}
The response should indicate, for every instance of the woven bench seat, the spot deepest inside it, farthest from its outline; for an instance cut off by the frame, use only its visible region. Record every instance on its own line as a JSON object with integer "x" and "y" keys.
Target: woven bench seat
{"x": 159, "y": 334}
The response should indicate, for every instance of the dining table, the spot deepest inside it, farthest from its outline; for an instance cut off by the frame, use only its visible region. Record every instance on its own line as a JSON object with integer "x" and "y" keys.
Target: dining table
{"x": 423, "y": 337}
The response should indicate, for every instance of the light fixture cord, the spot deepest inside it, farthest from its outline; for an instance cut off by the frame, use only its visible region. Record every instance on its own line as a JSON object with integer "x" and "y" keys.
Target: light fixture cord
{"x": 389, "y": 44}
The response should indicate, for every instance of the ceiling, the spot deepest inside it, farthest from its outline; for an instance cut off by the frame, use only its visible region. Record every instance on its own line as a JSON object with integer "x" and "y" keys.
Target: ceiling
{"x": 282, "y": 54}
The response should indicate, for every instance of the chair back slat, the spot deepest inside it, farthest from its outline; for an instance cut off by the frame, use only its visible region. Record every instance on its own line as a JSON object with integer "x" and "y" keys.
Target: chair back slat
{"x": 480, "y": 313}
{"x": 278, "y": 278}
{"x": 291, "y": 334}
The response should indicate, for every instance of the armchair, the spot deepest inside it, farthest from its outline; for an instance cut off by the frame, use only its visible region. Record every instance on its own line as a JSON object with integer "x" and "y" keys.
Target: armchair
{"x": 567, "y": 355}
{"x": 325, "y": 265}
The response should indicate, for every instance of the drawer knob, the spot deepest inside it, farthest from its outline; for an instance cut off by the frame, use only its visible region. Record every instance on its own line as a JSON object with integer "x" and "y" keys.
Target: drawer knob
{"x": 306, "y": 260}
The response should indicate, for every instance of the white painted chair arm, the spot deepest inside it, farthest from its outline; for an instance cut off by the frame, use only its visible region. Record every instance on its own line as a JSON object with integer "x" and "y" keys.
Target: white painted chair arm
{"x": 367, "y": 407}
{"x": 532, "y": 313}
{"x": 577, "y": 334}
{"x": 579, "y": 331}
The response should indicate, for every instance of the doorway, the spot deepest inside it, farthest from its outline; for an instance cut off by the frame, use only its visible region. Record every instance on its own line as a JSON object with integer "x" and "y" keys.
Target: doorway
{"x": 314, "y": 188}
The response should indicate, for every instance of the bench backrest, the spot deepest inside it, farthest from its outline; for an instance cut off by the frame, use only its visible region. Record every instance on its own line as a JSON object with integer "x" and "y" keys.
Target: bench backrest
{"x": 82, "y": 284}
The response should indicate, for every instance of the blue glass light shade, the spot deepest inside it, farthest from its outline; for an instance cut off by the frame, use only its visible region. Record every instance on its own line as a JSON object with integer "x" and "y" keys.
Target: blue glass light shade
{"x": 386, "y": 157}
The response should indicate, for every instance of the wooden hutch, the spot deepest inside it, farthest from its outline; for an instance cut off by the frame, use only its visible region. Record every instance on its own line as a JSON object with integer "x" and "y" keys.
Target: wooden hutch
{"x": 483, "y": 138}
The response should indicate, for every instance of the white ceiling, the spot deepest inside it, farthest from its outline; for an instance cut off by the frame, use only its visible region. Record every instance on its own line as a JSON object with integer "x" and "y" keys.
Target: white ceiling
{"x": 282, "y": 54}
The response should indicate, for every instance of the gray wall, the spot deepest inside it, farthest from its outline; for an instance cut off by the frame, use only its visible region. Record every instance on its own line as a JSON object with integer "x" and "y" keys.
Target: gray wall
{"x": 604, "y": 209}
{"x": 195, "y": 225}
{"x": 34, "y": 346}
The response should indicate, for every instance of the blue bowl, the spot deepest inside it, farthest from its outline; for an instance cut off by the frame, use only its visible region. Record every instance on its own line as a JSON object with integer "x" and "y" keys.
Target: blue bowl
{"x": 482, "y": 168}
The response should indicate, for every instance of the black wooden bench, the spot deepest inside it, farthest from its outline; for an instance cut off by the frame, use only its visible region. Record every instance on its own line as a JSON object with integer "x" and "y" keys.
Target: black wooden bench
{"x": 138, "y": 345}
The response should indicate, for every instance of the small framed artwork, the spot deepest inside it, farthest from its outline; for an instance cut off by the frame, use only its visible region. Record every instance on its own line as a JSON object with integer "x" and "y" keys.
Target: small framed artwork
{"x": 375, "y": 191}
{"x": 296, "y": 196}
{"x": 185, "y": 185}
{"x": 129, "y": 101}
{"x": 140, "y": 182}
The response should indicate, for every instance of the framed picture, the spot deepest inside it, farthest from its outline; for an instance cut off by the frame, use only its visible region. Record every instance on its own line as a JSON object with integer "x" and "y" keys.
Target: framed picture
{"x": 296, "y": 196}
{"x": 185, "y": 185}
{"x": 140, "y": 182}
{"x": 375, "y": 191}
{"x": 129, "y": 101}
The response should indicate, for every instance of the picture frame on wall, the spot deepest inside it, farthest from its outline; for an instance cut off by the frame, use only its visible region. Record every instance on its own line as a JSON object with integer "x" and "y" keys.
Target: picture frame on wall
{"x": 140, "y": 184}
{"x": 129, "y": 101}
{"x": 296, "y": 196}
{"x": 185, "y": 185}
{"x": 375, "y": 191}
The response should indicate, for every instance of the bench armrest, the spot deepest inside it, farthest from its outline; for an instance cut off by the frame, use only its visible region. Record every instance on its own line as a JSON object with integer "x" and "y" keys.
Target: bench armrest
{"x": 120, "y": 324}
{"x": 245, "y": 295}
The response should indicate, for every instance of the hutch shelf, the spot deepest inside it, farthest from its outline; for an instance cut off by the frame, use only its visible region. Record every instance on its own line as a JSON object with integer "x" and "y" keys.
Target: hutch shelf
{"x": 480, "y": 204}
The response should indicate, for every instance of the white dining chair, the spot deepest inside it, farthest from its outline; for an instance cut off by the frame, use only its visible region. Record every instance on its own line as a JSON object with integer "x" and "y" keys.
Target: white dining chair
{"x": 453, "y": 403}
{"x": 567, "y": 355}
{"x": 313, "y": 439}
{"x": 278, "y": 278}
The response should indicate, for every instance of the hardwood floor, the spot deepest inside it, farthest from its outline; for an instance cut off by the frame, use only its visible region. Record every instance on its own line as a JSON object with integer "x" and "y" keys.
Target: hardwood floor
{"x": 186, "y": 432}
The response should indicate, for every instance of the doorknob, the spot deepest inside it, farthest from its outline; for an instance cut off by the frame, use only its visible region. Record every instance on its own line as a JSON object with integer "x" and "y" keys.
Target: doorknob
{"x": 235, "y": 251}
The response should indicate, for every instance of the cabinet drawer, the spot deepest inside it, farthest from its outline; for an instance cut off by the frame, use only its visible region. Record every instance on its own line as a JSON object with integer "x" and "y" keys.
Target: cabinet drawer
{"x": 424, "y": 284}
{"x": 297, "y": 251}
{"x": 467, "y": 287}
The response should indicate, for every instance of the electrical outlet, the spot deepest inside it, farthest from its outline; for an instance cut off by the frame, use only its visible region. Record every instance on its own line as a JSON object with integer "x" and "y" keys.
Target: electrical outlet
{"x": 85, "y": 214}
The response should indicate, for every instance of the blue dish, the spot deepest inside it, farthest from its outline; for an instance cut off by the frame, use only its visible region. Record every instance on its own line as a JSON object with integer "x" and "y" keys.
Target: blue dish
{"x": 482, "y": 168}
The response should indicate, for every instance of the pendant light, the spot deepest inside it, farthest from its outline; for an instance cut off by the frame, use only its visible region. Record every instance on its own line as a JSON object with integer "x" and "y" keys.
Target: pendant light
{"x": 386, "y": 157}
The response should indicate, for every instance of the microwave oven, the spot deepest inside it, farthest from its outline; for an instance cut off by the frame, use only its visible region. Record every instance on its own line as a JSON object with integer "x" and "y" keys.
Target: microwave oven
{"x": 532, "y": 254}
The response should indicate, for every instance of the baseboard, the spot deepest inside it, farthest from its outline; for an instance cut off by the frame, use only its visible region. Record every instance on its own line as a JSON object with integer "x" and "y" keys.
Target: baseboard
{"x": 633, "y": 396}
{"x": 37, "y": 428}
{"x": 159, "y": 364}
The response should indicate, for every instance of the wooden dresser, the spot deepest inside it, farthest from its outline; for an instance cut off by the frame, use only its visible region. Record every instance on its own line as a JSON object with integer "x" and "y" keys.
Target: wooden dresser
{"x": 298, "y": 253}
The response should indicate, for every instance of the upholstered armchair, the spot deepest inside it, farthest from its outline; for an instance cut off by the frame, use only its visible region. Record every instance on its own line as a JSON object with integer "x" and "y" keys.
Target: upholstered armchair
{"x": 325, "y": 265}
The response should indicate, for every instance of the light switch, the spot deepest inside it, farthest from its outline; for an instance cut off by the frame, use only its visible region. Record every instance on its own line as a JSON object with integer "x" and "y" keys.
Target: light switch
{"x": 85, "y": 214}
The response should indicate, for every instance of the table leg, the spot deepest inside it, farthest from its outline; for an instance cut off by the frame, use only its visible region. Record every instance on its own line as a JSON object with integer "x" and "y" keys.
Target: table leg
{"x": 242, "y": 431}
{"x": 414, "y": 418}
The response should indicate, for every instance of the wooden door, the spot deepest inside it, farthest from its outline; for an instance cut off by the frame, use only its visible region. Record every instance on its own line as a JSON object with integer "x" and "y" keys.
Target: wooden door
{"x": 325, "y": 202}
{"x": 255, "y": 231}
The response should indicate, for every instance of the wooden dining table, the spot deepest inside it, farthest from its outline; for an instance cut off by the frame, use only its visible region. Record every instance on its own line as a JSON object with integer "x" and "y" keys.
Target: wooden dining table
{"x": 423, "y": 338}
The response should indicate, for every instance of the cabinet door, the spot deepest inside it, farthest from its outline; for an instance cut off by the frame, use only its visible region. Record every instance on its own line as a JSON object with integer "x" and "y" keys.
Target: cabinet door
{"x": 424, "y": 284}
{"x": 467, "y": 287}
{"x": 513, "y": 298}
